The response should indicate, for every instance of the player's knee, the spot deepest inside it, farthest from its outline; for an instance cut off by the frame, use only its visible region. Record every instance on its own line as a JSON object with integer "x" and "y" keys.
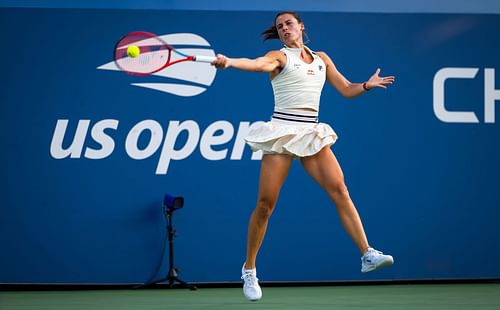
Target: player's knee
{"x": 339, "y": 191}
{"x": 265, "y": 207}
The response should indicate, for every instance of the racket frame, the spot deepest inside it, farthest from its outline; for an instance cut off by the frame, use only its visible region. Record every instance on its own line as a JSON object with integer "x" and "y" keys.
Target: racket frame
{"x": 207, "y": 59}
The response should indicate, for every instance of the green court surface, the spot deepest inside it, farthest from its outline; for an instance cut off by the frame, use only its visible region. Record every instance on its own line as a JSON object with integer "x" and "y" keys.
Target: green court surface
{"x": 405, "y": 297}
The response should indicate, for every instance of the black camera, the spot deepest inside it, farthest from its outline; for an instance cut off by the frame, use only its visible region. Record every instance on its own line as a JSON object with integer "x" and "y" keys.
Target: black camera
{"x": 171, "y": 202}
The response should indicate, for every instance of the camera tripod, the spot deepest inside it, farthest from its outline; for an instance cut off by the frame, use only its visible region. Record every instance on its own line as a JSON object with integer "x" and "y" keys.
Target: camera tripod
{"x": 172, "y": 277}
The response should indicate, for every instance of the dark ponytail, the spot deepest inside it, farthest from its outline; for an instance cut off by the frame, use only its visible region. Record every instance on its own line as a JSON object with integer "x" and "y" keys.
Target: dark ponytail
{"x": 271, "y": 32}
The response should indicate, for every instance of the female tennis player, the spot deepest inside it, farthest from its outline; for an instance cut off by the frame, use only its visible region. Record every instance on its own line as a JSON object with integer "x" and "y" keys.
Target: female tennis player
{"x": 297, "y": 76}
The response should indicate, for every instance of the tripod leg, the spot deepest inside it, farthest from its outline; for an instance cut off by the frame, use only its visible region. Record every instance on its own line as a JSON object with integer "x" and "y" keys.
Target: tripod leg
{"x": 174, "y": 281}
{"x": 186, "y": 285}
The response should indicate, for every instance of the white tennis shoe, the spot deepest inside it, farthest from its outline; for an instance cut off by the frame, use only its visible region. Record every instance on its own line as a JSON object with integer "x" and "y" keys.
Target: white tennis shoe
{"x": 374, "y": 260}
{"x": 251, "y": 288}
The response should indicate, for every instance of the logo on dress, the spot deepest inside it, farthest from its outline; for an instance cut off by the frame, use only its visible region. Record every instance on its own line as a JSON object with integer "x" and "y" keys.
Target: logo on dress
{"x": 320, "y": 67}
{"x": 310, "y": 72}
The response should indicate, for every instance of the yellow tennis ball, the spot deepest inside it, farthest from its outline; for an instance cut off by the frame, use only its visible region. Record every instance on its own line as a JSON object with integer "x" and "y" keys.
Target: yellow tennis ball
{"x": 133, "y": 51}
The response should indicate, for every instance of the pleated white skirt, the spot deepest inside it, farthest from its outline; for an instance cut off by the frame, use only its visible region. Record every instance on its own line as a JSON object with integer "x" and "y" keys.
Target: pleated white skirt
{"x": 292, "y": 138}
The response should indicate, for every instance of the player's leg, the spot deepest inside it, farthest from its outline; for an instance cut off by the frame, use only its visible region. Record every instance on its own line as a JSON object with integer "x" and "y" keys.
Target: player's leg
{"x": 324, "y": 168}
{"x": 274, "y": 169}
{"x": 273, "y": 172}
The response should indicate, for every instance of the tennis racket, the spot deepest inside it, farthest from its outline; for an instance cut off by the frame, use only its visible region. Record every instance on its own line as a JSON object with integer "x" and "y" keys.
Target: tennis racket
{"x": 154, "y": 54}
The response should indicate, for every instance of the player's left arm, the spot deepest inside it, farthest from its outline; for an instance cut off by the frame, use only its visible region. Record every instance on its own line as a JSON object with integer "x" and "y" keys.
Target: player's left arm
{"x": 347, "y": 88}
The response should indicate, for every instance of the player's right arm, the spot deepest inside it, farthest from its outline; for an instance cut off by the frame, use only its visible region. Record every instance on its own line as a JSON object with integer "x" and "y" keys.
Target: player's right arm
{"x": 272, "y": 61}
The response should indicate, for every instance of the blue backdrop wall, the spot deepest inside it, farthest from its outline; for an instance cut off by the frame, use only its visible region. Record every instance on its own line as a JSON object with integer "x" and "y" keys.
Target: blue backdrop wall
{"x": 88, "y": 152}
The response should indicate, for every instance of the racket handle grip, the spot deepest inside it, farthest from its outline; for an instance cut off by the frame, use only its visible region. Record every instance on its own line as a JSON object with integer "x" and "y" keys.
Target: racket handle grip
{"x": 204, "y": 58}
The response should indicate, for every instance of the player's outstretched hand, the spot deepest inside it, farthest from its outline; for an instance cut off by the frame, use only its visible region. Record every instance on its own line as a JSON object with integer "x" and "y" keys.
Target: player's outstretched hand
{"x": 221, "y": 62}
{"x": 378, "y": 81}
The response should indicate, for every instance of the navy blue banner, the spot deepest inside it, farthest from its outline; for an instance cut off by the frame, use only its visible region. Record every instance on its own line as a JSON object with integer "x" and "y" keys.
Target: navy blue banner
{"x": 383, "y": 6}
{"x": 88, "y": 152}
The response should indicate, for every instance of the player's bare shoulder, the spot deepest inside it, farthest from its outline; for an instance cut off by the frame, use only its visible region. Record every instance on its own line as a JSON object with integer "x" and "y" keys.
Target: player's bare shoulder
{"x": 324, "y": 56}
{"x": 279, "y": 56}
{"x": 326, "y": 59}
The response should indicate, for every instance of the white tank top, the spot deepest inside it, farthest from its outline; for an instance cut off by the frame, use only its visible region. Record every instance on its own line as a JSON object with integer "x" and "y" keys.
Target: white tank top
{"x": 299, "y": 84}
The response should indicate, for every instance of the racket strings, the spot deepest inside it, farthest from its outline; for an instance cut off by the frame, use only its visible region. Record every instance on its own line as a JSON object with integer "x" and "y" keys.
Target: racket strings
{"x": 154, "y": 54}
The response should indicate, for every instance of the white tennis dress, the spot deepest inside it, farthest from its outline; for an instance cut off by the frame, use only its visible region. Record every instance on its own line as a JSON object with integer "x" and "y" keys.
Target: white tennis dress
{"x": 294, "y": 128}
